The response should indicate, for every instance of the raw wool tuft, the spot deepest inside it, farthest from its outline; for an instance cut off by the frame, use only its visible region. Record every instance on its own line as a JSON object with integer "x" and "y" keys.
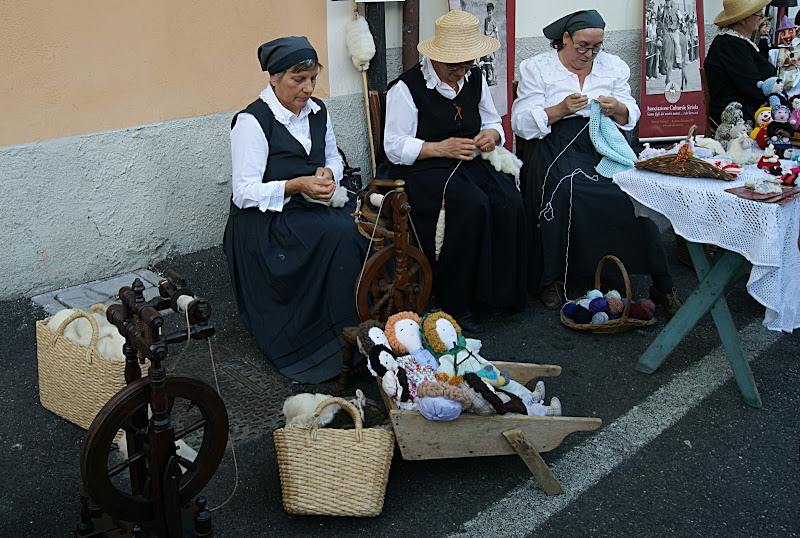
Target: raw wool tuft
{"x": 360, "y": 43}
{"x": 438, "y": 239}
{"x": 109, "y": 340}
{"x": 297, "y": 408}
{"x": 338, "y": 199}
{"x": 503, "y": 161}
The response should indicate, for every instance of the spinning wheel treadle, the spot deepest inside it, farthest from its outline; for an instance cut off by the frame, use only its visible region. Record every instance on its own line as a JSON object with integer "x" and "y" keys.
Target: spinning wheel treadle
{"x": 124, "y": 411}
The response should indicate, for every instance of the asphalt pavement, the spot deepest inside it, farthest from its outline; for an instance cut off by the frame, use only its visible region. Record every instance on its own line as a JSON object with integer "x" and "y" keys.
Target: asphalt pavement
{"x": 679, "y": 453}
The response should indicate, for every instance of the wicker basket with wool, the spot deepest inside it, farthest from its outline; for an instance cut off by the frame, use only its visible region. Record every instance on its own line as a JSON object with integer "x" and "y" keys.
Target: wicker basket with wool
{"x": 624, "y": 323}
{"x": 334, "y": 472}
{"x": 75, "y": 382}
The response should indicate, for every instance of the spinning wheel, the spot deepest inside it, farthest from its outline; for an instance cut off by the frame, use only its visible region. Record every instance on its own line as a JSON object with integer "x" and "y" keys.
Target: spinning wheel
{"x": 131, "y": 499}
{"x": 398, "y": 276}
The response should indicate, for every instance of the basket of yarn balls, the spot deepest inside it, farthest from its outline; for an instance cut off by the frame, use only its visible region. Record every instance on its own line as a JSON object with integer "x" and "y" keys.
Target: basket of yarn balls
{"x": 609, "y": 313}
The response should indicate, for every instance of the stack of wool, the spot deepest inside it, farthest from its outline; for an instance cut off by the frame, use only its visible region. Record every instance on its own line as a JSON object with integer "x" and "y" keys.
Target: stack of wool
{"x": 596, "y": 308}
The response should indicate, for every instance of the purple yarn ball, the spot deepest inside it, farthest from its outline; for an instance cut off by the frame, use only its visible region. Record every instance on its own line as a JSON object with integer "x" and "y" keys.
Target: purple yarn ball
{"x": 614, "y": 315}
{"x": 598, "y": 305}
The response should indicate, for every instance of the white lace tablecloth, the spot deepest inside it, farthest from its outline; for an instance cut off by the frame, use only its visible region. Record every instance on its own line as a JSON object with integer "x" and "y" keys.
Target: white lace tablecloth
{"x": 702, "y": 212}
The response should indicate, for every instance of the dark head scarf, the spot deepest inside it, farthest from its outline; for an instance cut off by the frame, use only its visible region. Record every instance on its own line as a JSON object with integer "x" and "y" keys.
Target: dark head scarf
{"x": 280, "y": 54}
{"x": 574, "y": 22}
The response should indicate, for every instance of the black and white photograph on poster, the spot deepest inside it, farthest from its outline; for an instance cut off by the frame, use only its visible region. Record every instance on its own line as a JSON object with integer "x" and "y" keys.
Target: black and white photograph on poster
{"x": 492, "y": 17}
{"x": 672, "y": 47}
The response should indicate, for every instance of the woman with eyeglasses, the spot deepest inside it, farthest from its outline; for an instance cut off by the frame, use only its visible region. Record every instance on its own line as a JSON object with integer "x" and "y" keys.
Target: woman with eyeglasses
{"x": 575, "y": 215}
{"x": 733, "y": 64}
{"x": 438, "y": 114}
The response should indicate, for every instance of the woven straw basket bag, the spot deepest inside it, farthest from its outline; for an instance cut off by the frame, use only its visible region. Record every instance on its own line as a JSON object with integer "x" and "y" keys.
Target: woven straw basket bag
{"x": 333, "y": 472}
{"x": 75, "y": 382}
{"x": 624, "y": 323}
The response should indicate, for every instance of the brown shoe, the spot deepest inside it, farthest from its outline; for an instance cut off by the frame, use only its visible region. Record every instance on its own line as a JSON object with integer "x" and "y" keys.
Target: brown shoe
{"x": 551, "y": 296}
{"x": 670, "y": 302}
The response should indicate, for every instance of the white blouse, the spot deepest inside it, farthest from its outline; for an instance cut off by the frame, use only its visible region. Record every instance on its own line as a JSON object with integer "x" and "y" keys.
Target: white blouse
{"x": 250, "y": 150}
{"x": 399, "y": 140}
{"x": 544, "y": 82}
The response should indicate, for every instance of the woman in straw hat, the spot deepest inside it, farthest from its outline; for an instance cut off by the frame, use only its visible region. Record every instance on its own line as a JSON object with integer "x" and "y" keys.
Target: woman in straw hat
{"x": 733, "y": 64}
{"x": 576, "y": 215}
{"x": 292, "y": 261}
{"x": 438, "y": 114}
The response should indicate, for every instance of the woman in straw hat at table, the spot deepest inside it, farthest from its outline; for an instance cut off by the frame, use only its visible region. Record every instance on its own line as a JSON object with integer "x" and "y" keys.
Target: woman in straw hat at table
{"x": 576, "y": 214}
{"x": 733, "y": 64}
{"x": 438, "y": 113}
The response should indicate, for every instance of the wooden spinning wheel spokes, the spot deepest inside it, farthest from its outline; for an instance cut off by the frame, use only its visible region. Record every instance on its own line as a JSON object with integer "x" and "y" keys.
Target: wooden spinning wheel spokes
{"x": 133, "y": 501}
{"x": 382, "y": 291}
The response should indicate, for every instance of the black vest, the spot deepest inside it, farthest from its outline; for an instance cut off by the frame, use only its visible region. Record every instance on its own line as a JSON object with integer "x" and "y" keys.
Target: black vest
{"x": 287, "y": 157}
{"x": 440, "y": 118}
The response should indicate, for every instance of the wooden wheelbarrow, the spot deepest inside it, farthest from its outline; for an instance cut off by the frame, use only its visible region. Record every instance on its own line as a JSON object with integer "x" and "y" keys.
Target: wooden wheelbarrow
{"x": 472, "y": 436}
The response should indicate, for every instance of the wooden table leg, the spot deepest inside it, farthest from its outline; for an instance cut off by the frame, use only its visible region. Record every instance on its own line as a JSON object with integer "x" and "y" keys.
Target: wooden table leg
{"x": 523, "y": 447}
{"x": 708, "y": 296}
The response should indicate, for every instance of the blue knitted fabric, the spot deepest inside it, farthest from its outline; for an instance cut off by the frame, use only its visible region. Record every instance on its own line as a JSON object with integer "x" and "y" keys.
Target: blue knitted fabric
{"x": 610, "y": 143}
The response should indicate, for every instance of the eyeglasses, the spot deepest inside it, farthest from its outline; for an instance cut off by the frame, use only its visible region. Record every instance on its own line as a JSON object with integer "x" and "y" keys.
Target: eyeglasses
{"x": 466, "y": 66}
{"x": 584, "y": 50}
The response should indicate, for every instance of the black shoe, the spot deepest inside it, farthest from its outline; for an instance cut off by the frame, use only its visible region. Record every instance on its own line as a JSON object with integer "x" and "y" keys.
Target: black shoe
{"x": 469, "y": 322}
{"x": 670, "y": 302}
{"x": 551, "y": 296}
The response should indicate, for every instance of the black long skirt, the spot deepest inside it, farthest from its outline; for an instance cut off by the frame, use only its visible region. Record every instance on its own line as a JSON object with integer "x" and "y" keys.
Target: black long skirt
{"x": 484, "y": 256}
{"x": 601, "y": 220}
{"x": 293, "y": 274}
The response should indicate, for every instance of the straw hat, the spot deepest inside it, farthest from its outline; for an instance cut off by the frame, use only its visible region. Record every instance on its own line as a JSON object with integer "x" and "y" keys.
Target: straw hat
{"x": 457, "y": 39}
{"x": 736, "y": 10}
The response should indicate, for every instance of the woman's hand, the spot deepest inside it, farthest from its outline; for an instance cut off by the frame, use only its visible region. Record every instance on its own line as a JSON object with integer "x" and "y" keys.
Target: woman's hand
{"x": 318, "y": 188}
{"x": 486, "y": 140}
{"x": 612, "y": 108}
{"x": 570, "y": 105}
{"x": 451, "y": 148}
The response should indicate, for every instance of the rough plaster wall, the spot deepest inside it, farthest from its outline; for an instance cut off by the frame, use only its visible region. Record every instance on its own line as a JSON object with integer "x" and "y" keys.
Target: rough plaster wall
{"x": 88, "y": 207}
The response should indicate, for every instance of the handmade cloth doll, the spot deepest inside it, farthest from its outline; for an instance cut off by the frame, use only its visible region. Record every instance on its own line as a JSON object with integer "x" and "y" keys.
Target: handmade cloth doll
{"x": 458, "y": 355}
{"x": 794, "y": 105}
{"x": 780, "y": 131}
{"x": 763, "y": 117}
{"x": 404, "y": 336}
{"x": 383, "y": 364}
{"x": 773, "y": 91}
{"x": 441, "y": 401}
{"x": 732, "y": 123}
{"x": 370, "y": 333}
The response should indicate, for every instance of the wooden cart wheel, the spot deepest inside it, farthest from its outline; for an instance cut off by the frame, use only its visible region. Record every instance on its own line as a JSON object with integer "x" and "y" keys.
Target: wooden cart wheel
{"x": 377, "y": 296}
{"x": 197, "y": 414}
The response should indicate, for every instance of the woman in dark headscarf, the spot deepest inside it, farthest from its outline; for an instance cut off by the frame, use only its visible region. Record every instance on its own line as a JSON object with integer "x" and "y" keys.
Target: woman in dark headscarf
{"x": 293, "y": 262}
{"x": 576, "y": 215}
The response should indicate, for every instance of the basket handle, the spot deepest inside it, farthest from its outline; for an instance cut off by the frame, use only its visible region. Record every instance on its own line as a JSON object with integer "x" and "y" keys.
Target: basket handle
{"x": 347, "y": 406}
{"x": 95, "y": 331}
{"x": 626, "y": 280}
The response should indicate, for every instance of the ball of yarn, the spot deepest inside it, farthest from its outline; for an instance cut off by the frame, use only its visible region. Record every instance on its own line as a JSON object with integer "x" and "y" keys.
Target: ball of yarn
{"x": 598, "y": 305}
{"x": 581, "y": 315}
{"x": 614, "y": 315}
{"x": 594, "y": 294}
{"x": 613, "y": 294}
{"x": 569, "y": 309}
{"x": 584, "y": 303}
{"x": 637, "y": 311}
{"x": 615, "y": 306}
{"x": 648, "y": 305}
{"x": 600, "y": 317}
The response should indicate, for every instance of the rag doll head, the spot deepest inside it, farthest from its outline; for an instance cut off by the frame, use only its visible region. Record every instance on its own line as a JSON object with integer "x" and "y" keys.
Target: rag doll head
{"x": 441, "y": 331}
{"x": 403, "y": 332}
{"x": 370, "y": 333}
{"x": 382, "y": 363}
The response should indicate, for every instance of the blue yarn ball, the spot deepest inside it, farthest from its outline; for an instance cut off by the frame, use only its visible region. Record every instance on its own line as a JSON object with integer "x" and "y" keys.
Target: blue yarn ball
{"x": 582, "y": 315}
{"x": 569, "y": 309}
{"x": 600, "y": 317}
{"x": 598, "y": 305}
{"x": 594, "y": 294}
{"x": 614, "y": 315}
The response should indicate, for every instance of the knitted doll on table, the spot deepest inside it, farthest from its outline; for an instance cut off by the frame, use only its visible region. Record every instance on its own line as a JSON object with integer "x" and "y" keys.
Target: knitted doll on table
{"x": 731, "y": 124}
{"x": 763, "y": 117}
{"x": 794, "y": 106}
{"x": 459, "y": 356}
{"x": 780, "y": 132}
{"x": 773, "y": 91}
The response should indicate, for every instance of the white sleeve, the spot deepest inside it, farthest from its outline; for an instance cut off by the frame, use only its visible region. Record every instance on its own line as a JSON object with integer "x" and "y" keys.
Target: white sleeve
{"x": 399, "y": 141}
{"x": 490, "y": 119}
{"x": 528, "y": 118}
{"x": 249, "y": 152}
{"x": 332, "y": 158}
{"x": 622, "y": 92}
